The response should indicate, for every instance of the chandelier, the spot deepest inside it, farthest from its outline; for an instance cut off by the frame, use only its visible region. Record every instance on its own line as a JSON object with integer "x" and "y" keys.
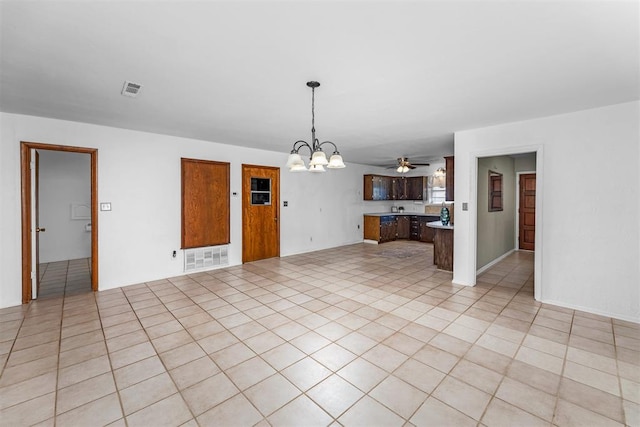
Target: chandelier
{"x": 318, "y": 159}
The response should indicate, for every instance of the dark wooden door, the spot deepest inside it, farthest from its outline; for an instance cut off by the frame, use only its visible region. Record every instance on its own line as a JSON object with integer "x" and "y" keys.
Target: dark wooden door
{"x": 205, "y": 203}
{"x": 260, "y": 212}
{"x": 527, "y": 212}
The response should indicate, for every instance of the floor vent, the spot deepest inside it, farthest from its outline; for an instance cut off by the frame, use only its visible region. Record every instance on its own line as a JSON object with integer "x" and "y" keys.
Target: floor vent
{"x": 201, "y": 258}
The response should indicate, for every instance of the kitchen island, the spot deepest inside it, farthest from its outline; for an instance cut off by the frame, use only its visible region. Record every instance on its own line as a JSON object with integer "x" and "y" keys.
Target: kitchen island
{"x": 442, "y": 245}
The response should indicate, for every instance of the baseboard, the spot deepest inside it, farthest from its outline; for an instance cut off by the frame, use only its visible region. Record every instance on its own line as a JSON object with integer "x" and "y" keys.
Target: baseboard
{"x": 371, "y": 242}
{"x": 494, "y": 262}
{"x": 591, "y": 310}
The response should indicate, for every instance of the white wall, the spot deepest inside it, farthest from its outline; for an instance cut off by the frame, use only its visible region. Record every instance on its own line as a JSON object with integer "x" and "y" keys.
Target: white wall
{"x": 65, "y": 179}
{"x": 587, "y": 211}
{"x": 139, "y": 173}
{"x": 495, "y": 229}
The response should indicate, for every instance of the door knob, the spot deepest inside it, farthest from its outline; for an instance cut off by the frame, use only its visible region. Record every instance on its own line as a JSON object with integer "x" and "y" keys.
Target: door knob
{"x": 38, "y": 229}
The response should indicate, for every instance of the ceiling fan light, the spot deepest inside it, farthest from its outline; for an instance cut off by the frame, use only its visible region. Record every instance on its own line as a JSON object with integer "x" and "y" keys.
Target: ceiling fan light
{"x": 399, "y": 170}
{"x": 316, "y": 168}
{"x": 319, "y": 158}
{"x": 336, "y": 162}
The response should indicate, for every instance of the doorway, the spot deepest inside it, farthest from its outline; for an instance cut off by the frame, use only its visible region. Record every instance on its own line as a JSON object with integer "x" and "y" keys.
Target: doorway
{"x": 260, "y": 212}
{"x": 30, "y": 226}
{"x": 528, "y": 161}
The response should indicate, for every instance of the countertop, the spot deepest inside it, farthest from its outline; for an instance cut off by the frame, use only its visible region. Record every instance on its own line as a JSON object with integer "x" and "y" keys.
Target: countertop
{"x": 399, "y": 214}
{"x": 438, "y": 224}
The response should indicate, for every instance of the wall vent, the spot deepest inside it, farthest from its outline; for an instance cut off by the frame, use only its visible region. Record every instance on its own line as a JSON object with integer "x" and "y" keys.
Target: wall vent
{"x": 131, "y": 89}
{"x": 207, "y": 257}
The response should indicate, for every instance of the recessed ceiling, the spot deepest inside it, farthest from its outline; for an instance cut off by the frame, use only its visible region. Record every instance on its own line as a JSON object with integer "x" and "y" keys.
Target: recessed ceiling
{"x": 397, "y": 78}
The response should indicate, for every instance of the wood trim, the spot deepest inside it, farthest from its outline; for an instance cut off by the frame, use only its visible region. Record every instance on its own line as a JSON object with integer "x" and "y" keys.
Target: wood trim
{"x": 25, "y": 194}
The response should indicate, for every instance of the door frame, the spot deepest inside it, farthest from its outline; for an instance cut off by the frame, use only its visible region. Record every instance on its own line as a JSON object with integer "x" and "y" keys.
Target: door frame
{"x": 26, "y": 186}
{"x": 472, "y": 246}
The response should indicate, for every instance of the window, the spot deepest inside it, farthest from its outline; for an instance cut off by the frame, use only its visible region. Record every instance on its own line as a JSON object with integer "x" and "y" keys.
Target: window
{"x": 260, "y": 191}
{"x": 495, "y": 191}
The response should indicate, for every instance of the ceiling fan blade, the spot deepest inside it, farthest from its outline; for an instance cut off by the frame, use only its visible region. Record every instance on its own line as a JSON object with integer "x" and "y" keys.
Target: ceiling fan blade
{"x": 420, "y": 164}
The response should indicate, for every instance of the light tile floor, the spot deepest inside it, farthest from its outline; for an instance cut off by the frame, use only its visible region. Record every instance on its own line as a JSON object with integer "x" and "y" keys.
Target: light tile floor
{"x": 361, "y": 335}
{"x": 65, "y": 278}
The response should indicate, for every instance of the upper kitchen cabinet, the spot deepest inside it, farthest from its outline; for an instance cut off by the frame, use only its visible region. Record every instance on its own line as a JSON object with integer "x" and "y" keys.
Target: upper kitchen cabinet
{"x": 449, "y": 164}
{"x": 378, "y": 187}
{"x": 415, "y": 187}
{"x": 409, "y": 188}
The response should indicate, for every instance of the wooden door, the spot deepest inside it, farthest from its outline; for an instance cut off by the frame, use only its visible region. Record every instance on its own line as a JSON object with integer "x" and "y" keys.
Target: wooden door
{"x": 205, "y": 203}
{"x": 260, "y": 212}
{"x": 527, "y": 212}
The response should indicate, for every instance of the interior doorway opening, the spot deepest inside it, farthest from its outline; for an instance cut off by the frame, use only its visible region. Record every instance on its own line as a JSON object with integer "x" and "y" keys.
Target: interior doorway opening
{"x": 499, "y": 232}
{"x": 31, "y": 228}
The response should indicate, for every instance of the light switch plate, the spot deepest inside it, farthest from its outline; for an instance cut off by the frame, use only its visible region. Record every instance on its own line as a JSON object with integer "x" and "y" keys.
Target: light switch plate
{"x": 465, "y": 206}
{"x": 105, "y": 206}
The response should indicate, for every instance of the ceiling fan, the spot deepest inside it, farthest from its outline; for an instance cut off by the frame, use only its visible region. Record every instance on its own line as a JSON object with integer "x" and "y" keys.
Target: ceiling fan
{"x": 404, "y": 165}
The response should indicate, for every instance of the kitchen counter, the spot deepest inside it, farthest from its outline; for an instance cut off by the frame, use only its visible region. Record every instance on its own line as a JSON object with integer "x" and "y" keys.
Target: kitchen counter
{"x": 399, "y": 214}
{"x": 438, "y": 224}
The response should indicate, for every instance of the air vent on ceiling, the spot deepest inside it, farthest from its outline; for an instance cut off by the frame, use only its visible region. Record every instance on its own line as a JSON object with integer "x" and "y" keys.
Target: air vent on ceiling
{"x": 131, "y": 89}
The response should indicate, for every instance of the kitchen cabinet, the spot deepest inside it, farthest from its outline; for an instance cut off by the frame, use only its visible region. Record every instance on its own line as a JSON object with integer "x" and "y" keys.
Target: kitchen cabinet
{"x": 416, "y": 186}
{"x": 404, "y": 227}
{"x": 427, "y": 233}
{"x": 409, "y": 188}
{"x": 377, "y": 187}
{"x": 449, "y": 174}
{"x": 385, "y": 228}
{"x": 388, "y": 229}
{"x": 380, "y": 228}
{"x": 414, "y": 228}
{"x": 380, "y": 187}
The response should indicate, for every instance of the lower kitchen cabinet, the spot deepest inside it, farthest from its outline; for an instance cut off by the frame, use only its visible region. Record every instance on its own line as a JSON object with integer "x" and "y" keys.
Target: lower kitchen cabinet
{"x": 385, "y": 228}
{"x": 380, "y": 228}
{"x": 404, "y": 226}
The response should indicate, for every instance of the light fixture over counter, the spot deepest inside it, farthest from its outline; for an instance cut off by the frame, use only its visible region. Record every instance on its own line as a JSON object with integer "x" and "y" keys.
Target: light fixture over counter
{"x": 318, "y": 159}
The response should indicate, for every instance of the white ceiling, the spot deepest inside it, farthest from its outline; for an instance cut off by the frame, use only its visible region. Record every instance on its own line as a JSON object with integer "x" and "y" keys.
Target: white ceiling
{"x": 398, "y": 78}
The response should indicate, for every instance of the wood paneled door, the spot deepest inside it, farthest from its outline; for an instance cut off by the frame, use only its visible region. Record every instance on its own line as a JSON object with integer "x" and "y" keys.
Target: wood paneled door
{"x": 260, "y": 212}
{"x": 527, "y": 212}
{"x": 205, "y": 203}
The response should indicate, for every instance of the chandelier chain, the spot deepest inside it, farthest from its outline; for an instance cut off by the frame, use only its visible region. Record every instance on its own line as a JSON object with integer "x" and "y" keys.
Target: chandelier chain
{"x": 313, "y": 110}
